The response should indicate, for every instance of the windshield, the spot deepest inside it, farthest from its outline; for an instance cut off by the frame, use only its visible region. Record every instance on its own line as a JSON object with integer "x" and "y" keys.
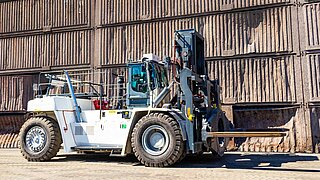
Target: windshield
{"x": 158, "y": 76}
{"x": 157, "y": 73}
{"x": 139, "y": 78}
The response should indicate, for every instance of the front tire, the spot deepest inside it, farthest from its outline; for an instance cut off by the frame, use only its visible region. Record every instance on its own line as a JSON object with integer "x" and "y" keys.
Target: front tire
{"x": 40, "y": 139}
{"x": 220, "y": 143}
{"x": 157, "y": 140}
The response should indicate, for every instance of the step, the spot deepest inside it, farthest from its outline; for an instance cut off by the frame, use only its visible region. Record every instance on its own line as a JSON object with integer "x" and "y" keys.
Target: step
{"x": 97, "y": 148}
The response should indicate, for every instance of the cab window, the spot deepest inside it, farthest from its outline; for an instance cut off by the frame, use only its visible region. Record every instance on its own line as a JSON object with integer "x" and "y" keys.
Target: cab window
{"x": 139, "y": 81}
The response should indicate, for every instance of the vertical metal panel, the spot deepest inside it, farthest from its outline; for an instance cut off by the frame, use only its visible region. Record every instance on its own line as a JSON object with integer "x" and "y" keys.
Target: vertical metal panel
{"x": 59, "y": 49}
{"x": 260, "y": 31}
{"x": 250, "y": 3}
{"x": 15, "y": 91}
{"x": 21, "y": 15}
{"x": 310, "y": 44}
{"x": 269, "y": 79}
{"x": 119, "y": 11}
{"x": 65, "y": 13}
{"x": 70, "y": 48}
{"x": 312, "y": 76}
{"x": 311, "y": 22}
{"x": 24, "y": 15}
{"x": 130, "y": 42}
{"x": 263, "y": 31}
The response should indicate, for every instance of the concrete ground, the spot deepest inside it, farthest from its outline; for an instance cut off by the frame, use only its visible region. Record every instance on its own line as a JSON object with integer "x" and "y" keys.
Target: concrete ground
{"x": 232, "y": 166}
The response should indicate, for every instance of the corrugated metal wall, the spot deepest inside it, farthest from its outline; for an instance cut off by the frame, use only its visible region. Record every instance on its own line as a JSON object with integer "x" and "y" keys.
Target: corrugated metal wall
{"x": 15, "y": 91}
{"x": 310, "y": 20}
{"x": 257, "y": 79}
{"x": 119, "y": 11}
{"x": 36, "y": 15}
{"x": 310, "y": 50}
{"x": 265, "y": 53}
{"x": 58, "y": 49}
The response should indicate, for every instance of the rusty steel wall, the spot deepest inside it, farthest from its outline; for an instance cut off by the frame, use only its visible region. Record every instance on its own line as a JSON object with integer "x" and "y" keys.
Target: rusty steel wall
{"x": 228, "y": 34}
{"x": 15, "y": 91}
{"x": 33, "y": 15}
{"x": 310, "y": 51}
{"x": 120, "y": 11}
{"x": 260, "y": 79}
{"x": 310, "y": 23}
{"x": 312, "y": 75}
{"x": 258, "y": 31}
{"x": 58, "y": 49}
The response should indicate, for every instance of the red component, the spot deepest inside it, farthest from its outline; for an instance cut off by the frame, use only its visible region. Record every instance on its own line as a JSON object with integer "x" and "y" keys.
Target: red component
{"x": 104, "y": 105}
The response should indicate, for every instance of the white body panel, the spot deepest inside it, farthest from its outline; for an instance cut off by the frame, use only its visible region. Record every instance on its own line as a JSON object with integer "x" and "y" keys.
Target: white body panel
{"x": 66, "y": 119}
{"x": 108, "y": 129}
{"x": 63, "y": 109}
{"x": 51, "y": 103}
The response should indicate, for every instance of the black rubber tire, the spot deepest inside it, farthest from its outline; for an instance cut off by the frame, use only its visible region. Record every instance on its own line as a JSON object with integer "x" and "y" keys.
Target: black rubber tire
{"x": 183, "y": 153}
{"x": 175, "y": 149}
{"x": 222, "y": 124}
{"x": 53, "y": 139}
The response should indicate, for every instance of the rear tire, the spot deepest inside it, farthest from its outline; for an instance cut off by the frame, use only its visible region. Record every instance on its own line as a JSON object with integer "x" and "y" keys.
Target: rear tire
{"x": 157, "y": 140}
{"x": 40, "y": 139}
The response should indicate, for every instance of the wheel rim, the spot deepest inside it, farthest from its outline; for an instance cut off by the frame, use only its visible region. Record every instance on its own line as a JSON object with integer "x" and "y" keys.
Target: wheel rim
{"x": 155, "y": 140}
{"x": 36, "y": 138}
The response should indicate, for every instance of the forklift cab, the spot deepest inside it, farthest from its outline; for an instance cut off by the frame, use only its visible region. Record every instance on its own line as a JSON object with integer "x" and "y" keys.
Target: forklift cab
{"x": 146, "y": 80}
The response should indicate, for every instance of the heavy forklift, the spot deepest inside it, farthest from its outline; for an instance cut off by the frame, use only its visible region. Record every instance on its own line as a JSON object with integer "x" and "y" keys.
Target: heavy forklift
{"x": 157, "y": 121}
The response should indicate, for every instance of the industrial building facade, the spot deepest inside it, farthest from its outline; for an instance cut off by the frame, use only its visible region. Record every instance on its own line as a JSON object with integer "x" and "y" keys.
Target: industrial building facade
{"x": 265, "y": 54}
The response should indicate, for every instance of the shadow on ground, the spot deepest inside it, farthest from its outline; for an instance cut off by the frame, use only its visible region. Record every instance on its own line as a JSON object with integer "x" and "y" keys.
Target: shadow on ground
{"x": 248, "y": 161}
{"x": 98, "y": 157}
{"x": 230, "y": 161}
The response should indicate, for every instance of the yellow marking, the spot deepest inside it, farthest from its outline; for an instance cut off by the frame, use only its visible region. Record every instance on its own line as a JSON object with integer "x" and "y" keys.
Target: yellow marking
{"x": 188, "y": 112}
{"x": 190, "y": 116}
{"x": 112, "y": 111}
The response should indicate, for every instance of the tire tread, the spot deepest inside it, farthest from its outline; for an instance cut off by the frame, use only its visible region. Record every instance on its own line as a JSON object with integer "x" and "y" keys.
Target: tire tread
{"x": 178, "y": 151}
{"x": 54, "y": 136}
